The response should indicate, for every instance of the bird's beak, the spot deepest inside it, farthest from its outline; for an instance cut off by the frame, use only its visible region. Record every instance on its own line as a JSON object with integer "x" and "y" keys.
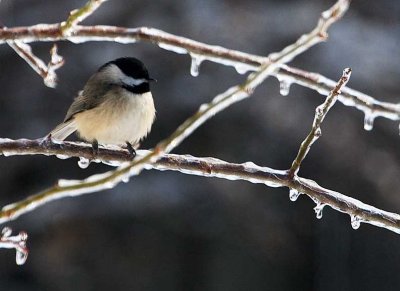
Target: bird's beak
{"x": 151, "y": 80}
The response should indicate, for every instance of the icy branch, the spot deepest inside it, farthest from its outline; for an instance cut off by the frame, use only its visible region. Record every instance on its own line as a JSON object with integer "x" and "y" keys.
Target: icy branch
{"x": 46, "y": 72}
{"x": 207, "y": 167}
{"x": 241, "y": 61}
{"x": 17, "y": 242}
{"x": 320, "y": 113}
{"x": 318, "y": 34}
{"x": 78, "y": 15}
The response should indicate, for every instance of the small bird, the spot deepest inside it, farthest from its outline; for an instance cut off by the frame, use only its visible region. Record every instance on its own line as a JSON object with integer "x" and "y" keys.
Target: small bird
{"x": 115, "y": 106}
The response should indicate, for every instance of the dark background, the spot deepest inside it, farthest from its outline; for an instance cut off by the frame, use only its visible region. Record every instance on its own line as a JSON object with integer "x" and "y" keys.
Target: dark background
{"x": 169, "y": 231}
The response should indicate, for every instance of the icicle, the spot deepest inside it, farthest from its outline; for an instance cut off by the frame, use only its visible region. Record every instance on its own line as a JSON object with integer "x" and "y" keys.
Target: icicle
{"x": 355, "y": 222}
{"x": 21, "y": 257}
{"x": 195, "y": 65}
{"x": 6, "y": 232}
{"x": 294, "y": 194}
{"x": 369, "y": 120}
{"x": 318, "y": 210}
{"x": 284, "y": 87}
{"x": 125, "y": 179}
{"x": 22, "y": 253}
{"x": 83, "y": 163}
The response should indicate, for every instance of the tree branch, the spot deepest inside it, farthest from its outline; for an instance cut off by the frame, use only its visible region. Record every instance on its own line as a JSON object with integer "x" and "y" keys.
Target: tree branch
{"x": 46, "y": 72}
{"x": 207, "y": 167}
{"x": 241, "y": 61}
{"x": 320, "y": 113}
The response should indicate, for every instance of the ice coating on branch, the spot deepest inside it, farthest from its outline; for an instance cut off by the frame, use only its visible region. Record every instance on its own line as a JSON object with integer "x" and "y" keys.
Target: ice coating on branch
{"x": 355, "y": 222}
{"x": 83, "y": 163}
{"x": 294, "y": 194}
{"x": 62, "y": 157}
{"x": 242, "y": 68}
{"x": 172, "y": 48}
{"x": 17, "y": 242}
{"x": 195, "y": 64}
{"x": 318, "y": 209}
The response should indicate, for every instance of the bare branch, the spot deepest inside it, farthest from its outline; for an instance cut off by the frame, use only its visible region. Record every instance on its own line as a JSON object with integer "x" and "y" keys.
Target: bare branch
{"x": 207, "y": 167}
{"x": 320, "y": 113}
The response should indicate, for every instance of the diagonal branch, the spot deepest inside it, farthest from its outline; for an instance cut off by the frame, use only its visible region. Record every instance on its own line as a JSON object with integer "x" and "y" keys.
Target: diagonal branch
{"x": 206, "y": 111}
{"x": 78, "y": 15}
{"x": 207, "y": 167}
{"x": 320, "y": 113}
{"x": 46, "y": 72}
{"x": 241, "y": 61}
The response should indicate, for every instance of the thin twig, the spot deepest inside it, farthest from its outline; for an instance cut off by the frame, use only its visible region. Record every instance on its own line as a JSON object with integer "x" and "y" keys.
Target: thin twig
{"x": 320, "y": 113}
{"x": 46, "y": 72}
{"x": 17, "y": 242}
{"x": 207, "y": 167}
{"x": 206, "y": 111}
{"x": 78, "y": 15}
{"x": 241, "y": 61}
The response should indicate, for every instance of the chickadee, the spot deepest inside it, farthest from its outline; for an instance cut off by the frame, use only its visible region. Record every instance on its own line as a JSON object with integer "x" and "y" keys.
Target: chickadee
{"x": 114, "y": 107}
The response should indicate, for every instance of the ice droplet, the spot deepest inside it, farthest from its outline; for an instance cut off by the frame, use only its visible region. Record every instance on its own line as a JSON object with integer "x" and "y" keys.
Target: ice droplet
{"x": 125, "y": 179}
{"x": 242, "y": 69}
{"x": 6, "y": 232}
{"x": 195, "y": 64}
{"x": 284, "y": 87}
{"x": 355, "y": 222}
{"x": 369, "y": 120}
{"x": 318, "y": 210}
{"x": 318, "y": 132}
{"x": 62, "y": 157}
{"x": 294, "y": 194}
{"x": 83, "y": 163}
{"x": 21, "y": 257}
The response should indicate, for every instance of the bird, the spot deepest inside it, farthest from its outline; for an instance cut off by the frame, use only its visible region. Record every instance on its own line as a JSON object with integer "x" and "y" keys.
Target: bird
{"x": 115, "y": 106}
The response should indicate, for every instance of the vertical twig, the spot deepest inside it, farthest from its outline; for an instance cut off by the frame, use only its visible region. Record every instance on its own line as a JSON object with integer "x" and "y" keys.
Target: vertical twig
{"x": 320, "y": 113}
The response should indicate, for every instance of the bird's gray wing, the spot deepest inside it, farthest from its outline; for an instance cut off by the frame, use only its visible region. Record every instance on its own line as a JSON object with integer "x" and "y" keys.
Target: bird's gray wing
{"x": 82, "y": 102}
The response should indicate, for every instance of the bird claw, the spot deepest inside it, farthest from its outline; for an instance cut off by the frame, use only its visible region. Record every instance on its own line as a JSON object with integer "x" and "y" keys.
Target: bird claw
{"x": 130, "y": 149}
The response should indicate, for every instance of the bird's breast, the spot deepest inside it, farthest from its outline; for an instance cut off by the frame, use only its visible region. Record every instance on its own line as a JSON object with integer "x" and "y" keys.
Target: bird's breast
{"x": 126, "y": 118}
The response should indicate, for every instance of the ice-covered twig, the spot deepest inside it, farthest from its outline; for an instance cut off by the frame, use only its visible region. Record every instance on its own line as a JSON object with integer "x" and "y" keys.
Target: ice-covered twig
{"x": 46, "y": 72}
{"x": 318, "y": 34}
{"x": 207, "y": 167}
{"x": 320, "y": 113}
{"x": 17, "y": 242}
{"x": 78, "y": 15}
{"x": 241, "y": 61}
{"x": 348, "y": 96}
{"x": 110, "y": 179}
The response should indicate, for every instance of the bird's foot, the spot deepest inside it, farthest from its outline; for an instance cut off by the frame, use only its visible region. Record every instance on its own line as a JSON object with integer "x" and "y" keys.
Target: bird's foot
{"x": 95, "y": 147}
{"x": 130, "y": 149}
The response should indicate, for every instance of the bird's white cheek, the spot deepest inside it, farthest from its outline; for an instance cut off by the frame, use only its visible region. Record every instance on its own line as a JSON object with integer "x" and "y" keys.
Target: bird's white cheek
{"x": 118, "y": 120}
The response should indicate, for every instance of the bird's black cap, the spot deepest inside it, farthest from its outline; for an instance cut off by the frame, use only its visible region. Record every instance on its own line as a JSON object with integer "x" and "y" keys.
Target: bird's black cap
{"x": 131, "y": 67}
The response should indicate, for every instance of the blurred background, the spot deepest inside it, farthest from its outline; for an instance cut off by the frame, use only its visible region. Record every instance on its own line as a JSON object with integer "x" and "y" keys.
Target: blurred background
{"x": 169, "y": 231}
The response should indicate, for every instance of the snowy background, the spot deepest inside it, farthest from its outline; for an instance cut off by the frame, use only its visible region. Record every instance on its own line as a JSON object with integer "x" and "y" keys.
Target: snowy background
{"x": 169, "y": 231}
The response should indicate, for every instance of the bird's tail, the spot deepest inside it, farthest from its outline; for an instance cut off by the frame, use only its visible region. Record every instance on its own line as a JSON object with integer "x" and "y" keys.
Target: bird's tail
{"x": 63, "y": 130}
